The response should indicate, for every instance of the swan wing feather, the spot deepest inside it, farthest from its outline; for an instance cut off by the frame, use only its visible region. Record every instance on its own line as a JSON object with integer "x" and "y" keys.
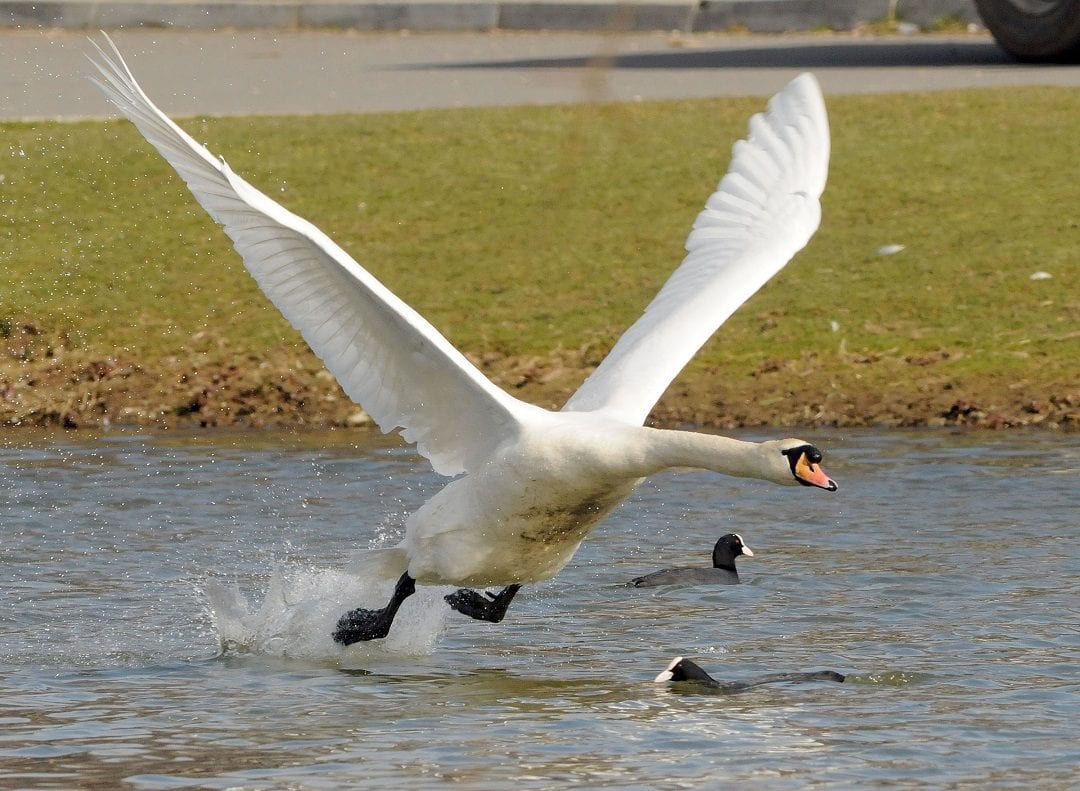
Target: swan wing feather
{"x": 384, "y": 354}
{"x": 764, "y": 210}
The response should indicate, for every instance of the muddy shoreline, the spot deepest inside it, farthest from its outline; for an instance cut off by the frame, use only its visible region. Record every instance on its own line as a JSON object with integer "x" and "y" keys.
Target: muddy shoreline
{"x": 46, "y": 384}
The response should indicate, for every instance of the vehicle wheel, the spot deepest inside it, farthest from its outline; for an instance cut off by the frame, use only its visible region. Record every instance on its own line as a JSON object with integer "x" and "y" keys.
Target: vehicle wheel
{"x": 1034, "y": 30}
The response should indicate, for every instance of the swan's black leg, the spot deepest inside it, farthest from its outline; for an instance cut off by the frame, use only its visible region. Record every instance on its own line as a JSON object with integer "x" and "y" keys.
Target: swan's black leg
{"x": 490, "y": 607}
{"x": 361, "y": 624}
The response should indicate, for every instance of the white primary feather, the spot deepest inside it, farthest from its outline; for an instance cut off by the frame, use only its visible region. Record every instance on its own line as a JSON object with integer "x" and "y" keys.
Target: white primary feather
{"x": 763, "y": 212}
{"x": 384, "y": 354}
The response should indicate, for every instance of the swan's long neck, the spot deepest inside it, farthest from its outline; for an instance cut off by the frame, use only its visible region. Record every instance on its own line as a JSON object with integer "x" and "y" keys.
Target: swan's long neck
{"x": 724, "y": 455}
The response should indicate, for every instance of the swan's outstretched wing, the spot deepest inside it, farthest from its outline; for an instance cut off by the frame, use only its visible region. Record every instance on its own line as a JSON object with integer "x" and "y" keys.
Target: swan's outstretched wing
{"x": 763, "y": 212}
{"x": 386, "y": 356}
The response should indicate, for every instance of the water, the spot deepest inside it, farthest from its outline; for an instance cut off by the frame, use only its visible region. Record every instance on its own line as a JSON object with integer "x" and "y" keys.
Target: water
{"x": 942, "y": 578}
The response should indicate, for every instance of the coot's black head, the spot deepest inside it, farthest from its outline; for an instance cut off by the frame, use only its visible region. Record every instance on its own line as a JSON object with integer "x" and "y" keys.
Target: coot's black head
{"x": 684, "y": 670}
{"x": 727, "y": 549}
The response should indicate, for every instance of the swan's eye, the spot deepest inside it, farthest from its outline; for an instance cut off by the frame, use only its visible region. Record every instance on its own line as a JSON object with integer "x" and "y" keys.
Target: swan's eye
{"x": 801, "y": 457}
{"x": 813, "y": 455}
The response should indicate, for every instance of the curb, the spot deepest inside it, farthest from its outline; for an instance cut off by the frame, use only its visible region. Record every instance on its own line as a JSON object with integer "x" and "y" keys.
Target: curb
{"x": 756, "y": 16}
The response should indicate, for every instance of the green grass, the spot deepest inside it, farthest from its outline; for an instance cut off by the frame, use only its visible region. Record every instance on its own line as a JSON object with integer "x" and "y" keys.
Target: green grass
{"x": 519, "y": 231}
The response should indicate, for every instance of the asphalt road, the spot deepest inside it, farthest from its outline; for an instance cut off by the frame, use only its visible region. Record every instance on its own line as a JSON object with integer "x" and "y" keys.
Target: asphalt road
{"x": 267, "y": 72}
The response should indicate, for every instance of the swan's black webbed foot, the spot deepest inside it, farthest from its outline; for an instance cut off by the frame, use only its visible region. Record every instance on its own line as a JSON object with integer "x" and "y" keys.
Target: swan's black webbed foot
{"x": 360, "y": 624}
{"x": 489, "y": 607}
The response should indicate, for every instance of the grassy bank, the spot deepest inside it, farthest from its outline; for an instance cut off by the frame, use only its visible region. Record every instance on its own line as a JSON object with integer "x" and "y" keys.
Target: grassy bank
{"x": 533, "y": 236}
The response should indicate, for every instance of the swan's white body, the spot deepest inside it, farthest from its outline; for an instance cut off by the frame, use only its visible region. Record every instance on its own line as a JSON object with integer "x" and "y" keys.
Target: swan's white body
{"x": 531, "y": 483}
{"x": 521, "y": 516}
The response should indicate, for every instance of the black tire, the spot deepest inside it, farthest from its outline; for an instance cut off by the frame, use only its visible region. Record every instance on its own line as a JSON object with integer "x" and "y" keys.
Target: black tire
{"x": 1034, "y": 30}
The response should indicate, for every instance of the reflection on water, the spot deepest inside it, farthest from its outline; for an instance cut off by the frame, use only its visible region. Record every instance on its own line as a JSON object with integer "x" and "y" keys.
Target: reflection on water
{"x": 942, "y": 578}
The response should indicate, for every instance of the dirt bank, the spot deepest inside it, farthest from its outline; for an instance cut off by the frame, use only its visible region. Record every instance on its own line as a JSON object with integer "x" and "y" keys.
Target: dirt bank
{"x": 45, "y": 380}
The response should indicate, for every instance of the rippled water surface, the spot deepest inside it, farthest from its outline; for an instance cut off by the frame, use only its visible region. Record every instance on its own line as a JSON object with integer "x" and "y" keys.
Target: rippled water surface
{"x": 942, "y": 578}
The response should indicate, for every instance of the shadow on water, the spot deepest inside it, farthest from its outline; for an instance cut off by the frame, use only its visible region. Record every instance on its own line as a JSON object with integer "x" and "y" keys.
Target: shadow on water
{"x": 483, "y": 686}
{"x": 479, "y": 688}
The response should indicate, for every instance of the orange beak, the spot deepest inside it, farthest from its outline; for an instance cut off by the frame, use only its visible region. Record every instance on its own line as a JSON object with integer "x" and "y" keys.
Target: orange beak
{"x": 810, "y": 474}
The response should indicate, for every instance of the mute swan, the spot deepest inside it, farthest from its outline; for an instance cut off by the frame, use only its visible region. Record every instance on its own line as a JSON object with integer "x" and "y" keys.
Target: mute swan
{"x": 684, "y": 670}
{"x": 529, "y": 484}
{"x": 723, "y": 571}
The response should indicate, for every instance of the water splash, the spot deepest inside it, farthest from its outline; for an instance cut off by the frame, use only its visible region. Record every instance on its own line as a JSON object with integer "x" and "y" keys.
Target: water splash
{"x": 301, "y": 607}
{"x": 889, "y": 678}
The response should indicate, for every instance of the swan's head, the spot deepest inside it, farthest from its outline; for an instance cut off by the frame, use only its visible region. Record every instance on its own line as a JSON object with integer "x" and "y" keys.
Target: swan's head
{"x": 803, "y": 463}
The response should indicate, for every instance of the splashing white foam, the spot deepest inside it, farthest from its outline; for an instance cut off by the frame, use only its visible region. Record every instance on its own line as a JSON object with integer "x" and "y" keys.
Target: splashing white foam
{"x": 301, "y": 608}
